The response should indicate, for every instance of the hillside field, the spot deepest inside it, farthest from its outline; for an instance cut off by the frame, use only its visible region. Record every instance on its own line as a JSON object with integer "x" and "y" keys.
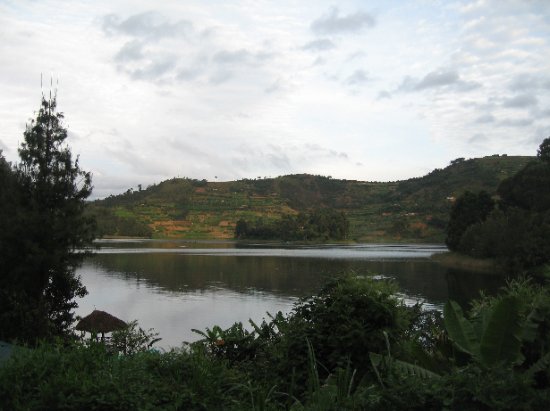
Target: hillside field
{"x": 411, "y": 210}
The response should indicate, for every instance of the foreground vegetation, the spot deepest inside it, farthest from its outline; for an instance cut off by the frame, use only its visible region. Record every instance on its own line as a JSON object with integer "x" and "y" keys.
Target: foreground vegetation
{"x": 354, "y": 346}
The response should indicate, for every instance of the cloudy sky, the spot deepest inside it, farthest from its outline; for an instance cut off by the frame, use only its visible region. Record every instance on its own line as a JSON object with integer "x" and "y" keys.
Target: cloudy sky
{"x": 367, "y": 90}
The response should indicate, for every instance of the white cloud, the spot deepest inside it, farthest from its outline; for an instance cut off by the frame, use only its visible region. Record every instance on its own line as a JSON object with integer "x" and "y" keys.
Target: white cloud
{"x": 240, "y": 89}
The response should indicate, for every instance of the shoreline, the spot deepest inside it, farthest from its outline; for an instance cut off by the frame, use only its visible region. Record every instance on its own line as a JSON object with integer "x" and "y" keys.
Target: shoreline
{"x": 460, "y": 261}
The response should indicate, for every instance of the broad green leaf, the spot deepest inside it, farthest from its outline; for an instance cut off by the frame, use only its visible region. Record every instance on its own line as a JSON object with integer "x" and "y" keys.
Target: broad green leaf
{"x": 501, "y": 340}
{"x": 404, "y": 367}
{"x": 414, "y": 370}
{"x": 480, "y": 323}
{"x": 460, "y": 330}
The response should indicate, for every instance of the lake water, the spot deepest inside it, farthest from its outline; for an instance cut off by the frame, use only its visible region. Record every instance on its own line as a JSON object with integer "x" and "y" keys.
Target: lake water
{"x": 174, "y": 286}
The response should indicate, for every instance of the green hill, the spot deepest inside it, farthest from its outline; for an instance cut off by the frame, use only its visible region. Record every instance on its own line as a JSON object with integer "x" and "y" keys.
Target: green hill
{"x": 412, "y": 210}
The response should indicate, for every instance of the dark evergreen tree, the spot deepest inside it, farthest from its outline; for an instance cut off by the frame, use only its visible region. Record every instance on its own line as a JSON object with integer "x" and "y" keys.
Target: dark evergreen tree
{"x": 470, "y": 208}
{"x": 529, "y": 189}
{"x": 543, "y": 153}
{"x": 45, "y": 234}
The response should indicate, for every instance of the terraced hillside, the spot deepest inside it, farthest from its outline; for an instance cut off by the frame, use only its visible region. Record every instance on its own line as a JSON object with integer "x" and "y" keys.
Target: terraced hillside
{"x": 410, "y": 210}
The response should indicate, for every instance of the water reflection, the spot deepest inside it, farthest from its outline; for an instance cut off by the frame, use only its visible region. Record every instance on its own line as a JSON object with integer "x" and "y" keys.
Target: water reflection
{"x": 174, "y": 286}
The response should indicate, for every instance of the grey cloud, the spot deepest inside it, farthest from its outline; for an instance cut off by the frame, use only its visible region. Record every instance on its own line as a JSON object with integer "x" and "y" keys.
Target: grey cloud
{"x": 319, "y": 45}
{"x": 188, "y": 74}
{"x": 131, "y": 51}
{"x": 279, "y": 160}
{"x": 241, "y": 56}
{"x": 319, "y": 61}
{"x": 140, "y": 57}
{"x": 319, "y": 151}
{"x": 486, "y": 118}
{"x": 477, "y": 139}
{"x": 154, "y": 70}
{"x": 188, "y": 149}
{"x": 521, "y": 101}
{"x": 356, "y": 55}
{"x": 270, "y": 156}
{"x": 340, "y": 154}
{"x": 524, "y": 82}
{"x": 148, "y": 25}
{"x": 230, "y": 57}
{"x": 275, "y": 86}
{"x": 358, "y": 77}
{"x": 220, "y": 77}
{"x": 518, "y": 122}
{"x": 383, "y": 94}
{"x": 333, "y": 23}
{"x": 438, "y": 79}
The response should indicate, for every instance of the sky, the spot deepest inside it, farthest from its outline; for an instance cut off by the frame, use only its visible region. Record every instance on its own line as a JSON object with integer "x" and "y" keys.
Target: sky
{"x": 224, "y": 90}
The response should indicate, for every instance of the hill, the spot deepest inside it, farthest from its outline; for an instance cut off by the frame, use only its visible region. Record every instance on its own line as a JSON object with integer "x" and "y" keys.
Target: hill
{"x": 411, "y": 210}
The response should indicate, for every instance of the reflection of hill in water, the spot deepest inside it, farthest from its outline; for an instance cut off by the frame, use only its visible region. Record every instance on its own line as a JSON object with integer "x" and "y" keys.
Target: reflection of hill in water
{"x": 187, "y": 273}
{"x": 184, "y": 273}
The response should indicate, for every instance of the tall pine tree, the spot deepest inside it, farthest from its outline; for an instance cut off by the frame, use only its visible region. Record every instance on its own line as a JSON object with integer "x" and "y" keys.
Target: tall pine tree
{"x": 46, "y": 233}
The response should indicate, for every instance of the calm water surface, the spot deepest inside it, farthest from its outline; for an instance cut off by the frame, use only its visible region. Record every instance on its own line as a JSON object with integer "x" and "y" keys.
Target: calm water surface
{"x": 174, "y": 286}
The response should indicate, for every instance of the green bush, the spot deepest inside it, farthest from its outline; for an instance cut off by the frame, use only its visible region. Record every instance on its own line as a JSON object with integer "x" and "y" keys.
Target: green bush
{"x": 345, "y": 321}
{"x": 354, "y": 346}
{"x": 90, "y": 378}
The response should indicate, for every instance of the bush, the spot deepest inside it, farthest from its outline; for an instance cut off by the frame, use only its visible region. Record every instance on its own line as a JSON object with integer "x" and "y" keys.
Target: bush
{"x": 90, "y": 378}
{"x": 345, "y": 321}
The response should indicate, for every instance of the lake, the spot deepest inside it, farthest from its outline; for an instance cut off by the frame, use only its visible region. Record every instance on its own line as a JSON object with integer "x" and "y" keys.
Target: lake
{"x": 174, "y": 286}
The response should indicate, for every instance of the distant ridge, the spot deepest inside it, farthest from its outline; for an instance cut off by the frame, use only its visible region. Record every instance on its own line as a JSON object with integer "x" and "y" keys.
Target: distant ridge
{"x": 410, "y": 210}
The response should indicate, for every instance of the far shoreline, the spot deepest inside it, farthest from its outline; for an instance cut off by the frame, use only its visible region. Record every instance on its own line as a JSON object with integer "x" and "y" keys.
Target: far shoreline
{"x": 460, "y": 261}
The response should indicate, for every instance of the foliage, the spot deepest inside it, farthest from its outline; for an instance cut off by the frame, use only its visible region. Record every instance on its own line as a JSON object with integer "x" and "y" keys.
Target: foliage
{"x": 543, "y": 153}
{"x": 514, "y": 237}
{"x": 516, "y": 233}
{"x": 495, "y": 336}
{"x": 527, "y": 189}
{"x": 133, "y": 339}
{"x": 501, "y": 359}
{"x": 332, "y": 352}
{"x": 470, "y": 208}
{"x": 43, "y": 238}
{"x": 77, "y": 377}
{"x": 534, "y": 314}
{"x": 320, "y": 224}
{"x": 340, "y": 325}
{"x": 110, "y": 224}
{"x": 345, "y": 320}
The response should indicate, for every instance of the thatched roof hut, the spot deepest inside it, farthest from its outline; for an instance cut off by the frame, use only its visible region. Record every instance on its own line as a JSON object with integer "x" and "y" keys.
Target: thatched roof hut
{"x": 100, "y": 322}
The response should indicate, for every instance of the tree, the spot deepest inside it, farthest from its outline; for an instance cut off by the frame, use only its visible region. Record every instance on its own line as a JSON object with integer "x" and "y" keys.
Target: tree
{"x": 42, "y": 245}
{"x": 241, "y": 229}
{"x": 528, "y": 188}
{"x": 469, "y": 208}
{"x": 543, "y": 152}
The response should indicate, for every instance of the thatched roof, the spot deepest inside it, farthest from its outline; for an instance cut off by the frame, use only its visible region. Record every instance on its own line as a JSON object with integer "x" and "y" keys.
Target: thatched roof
{"x": 100, "y": 322}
